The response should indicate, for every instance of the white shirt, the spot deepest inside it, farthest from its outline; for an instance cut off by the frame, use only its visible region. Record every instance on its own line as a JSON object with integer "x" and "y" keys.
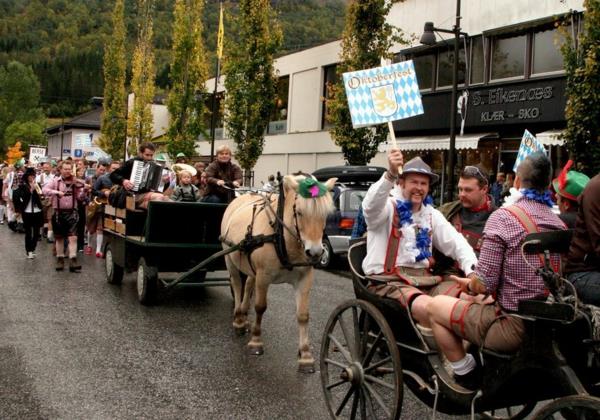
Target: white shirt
{"x": 379, "y": 208}
{"x": 43, "y": 179}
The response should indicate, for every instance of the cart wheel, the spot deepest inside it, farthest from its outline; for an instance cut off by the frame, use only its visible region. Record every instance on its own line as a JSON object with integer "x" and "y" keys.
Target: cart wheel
{"x": 518, "y": 412}
{"x": 114, "y": 272}
{"x": 360, "y": 364}
{"x": 573, "y": 407}
{"x": 147, "y": 282}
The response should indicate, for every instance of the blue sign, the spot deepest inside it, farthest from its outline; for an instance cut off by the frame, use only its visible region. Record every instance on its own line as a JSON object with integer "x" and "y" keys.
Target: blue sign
{"x": 383, "y": 94}
{"x": 78, "y": 153}
{"x": 66, "y": 151}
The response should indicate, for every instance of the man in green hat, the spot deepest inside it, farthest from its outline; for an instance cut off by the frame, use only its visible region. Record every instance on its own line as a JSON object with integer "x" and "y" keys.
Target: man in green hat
{"x": 568, "y": 187}
{"x": 181, "y": 158}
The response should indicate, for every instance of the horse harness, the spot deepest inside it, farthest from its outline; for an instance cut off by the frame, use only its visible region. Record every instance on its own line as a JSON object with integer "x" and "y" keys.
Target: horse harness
{"x": 252, "y": 242}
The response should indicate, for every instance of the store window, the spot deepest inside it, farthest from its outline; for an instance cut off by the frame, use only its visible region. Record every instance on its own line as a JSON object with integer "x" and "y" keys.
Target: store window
{"x": 445, "y": 63}
{"x": 424, "y": 67}
{"x": 329, "y": 80}
{"x": 477, "y": 60}
{"x": 278, "y": 121}
{"x": 547, "y": 57}
{"x": 508, "y": 57}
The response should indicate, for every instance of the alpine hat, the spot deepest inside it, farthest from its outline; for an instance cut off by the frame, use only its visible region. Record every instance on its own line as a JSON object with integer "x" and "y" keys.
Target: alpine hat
{"x": 417, "y": 166}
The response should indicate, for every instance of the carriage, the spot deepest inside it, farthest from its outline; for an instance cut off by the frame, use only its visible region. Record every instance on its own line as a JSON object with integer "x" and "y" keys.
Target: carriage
{"x": 170, "y": 237}
{"x": 371, "y": 348}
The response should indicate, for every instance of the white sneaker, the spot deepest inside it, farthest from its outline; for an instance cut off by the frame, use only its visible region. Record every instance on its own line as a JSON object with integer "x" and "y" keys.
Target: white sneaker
{"x": 30, "y": 255}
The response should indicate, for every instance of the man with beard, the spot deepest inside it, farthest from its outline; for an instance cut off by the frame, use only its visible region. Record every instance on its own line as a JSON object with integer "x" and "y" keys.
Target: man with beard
{"x": 122, "y": 177}
{"x": 403, "y": 230}
{"x": 66, "y": 192}
{"x": 219, "y": 173}
{"x": 468, "y": 215}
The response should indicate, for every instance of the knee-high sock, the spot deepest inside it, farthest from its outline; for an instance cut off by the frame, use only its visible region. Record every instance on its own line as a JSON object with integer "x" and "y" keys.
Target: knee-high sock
{"x": 72, "y": 246}
{"x": 10, "y": 214}
{"x": 99, "y": 239}
{"x": 2, "y": 210}
{"x": 59, "y": 244}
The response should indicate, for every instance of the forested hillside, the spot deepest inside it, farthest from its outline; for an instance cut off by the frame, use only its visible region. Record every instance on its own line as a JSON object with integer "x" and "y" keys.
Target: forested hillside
{"x": 63, "y": 39}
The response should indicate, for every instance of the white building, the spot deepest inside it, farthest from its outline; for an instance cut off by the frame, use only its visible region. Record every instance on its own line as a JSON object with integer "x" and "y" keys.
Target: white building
{"x": 510, "y": 52}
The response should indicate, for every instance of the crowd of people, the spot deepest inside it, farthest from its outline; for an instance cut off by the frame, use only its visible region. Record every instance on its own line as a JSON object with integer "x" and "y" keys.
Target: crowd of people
{"x": 459, "y": 268}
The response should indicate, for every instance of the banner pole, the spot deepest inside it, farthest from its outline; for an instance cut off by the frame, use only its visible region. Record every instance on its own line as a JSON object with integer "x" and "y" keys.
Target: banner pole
{"x": 390, "y": 124}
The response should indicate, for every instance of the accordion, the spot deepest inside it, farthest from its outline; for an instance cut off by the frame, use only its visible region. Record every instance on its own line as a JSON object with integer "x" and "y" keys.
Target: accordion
{"x": 146, "y": 176}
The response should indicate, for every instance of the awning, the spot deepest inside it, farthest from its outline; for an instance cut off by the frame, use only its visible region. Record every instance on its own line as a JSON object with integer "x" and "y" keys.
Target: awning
{"x": 468, "y": 141}
{"x": 551, "y": 138}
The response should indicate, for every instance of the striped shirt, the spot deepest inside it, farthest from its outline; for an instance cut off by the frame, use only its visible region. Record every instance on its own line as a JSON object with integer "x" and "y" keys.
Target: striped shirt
{"x": 501, "y": 264}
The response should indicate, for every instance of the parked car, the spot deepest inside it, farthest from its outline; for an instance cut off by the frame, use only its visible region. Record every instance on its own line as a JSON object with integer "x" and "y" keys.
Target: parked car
{"x": 348, "y": 194}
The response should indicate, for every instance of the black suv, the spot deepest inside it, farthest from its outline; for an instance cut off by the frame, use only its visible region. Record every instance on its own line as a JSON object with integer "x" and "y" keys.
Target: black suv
{"x": 348, "y": 193}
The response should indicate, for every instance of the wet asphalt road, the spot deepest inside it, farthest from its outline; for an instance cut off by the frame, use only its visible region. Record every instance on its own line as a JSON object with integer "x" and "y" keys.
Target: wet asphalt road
{"x": 74, "y": 347}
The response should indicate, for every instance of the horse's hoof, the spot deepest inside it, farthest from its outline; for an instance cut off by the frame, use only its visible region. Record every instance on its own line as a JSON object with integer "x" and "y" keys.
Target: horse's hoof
{"x": 255, "y": 350}
{"x": 306, "y": 368}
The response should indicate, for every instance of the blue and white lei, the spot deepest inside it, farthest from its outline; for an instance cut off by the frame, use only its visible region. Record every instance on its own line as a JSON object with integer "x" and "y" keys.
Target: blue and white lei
{"x": 421, "y": 246}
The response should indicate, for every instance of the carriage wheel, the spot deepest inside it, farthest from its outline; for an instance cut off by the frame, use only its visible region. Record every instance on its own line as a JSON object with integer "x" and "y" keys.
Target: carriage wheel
{"x": 518, "y": 412}
{"x": 574, "y": 407}
{"x": 360, "y": 364}
{"x": 114, "y": 272}
{"x": 147, "y": 282}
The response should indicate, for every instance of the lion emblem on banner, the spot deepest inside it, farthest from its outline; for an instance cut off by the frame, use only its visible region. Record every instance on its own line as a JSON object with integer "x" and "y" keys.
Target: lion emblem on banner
{"x": 384, "y": 100}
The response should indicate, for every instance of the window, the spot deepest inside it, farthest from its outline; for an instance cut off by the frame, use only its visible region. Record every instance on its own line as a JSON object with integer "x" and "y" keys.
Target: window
{"x": 424, "y": 66}
{"x": 219, "y": 117}
{"x": 546, "y": 51}
{"x": 445, "y": 63}
{"x": 278, "y": 121}
{"x": 477, "y": 60}
{"x": 329, "y": 79}
{"x": 508, "y": 57}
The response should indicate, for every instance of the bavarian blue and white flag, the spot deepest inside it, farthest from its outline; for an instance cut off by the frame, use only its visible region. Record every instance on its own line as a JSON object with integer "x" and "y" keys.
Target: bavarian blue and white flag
{"x": 529, "y": 145}
{"x": 383, "y": 94}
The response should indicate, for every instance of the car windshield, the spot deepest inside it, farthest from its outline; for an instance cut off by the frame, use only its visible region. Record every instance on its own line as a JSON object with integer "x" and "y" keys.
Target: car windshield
{"x": 354, "y": 198}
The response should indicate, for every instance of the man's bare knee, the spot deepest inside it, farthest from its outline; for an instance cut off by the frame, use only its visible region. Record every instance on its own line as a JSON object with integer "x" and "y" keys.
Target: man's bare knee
{"x": 419, "y": 309}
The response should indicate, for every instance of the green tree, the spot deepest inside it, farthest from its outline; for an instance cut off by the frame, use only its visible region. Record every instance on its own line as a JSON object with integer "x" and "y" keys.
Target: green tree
{"x": 19, "y": 97}
{"x": 188, "y": 75}
{"x": 251, "y": 81}
{"x": 114, "y": 125}
{"x": 366, "y": 40}
{"x": 27, "y": 132}
{"x": 140, "y": 121}
{"x": 583, "y": 92}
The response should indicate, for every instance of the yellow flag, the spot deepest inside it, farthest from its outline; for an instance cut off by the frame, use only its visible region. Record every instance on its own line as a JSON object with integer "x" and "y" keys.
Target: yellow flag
{"x": 220, "y": 34}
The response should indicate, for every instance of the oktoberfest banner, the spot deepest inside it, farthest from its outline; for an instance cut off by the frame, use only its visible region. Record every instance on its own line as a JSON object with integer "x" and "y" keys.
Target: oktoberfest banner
{"x": 529, "y": 145}
{"x": 37, "y": 154}
{"x": 383, "y": 94}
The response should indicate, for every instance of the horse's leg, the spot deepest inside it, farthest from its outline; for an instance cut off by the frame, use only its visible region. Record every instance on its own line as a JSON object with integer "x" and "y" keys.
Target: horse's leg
{"x": 306, "y": 362}
{"x": 255, "y": 346}
{"x": 240, "y": 318}
{"x": 248, "y": 289}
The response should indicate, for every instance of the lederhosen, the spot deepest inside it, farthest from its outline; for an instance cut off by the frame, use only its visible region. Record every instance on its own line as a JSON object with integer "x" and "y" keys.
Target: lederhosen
{"x": 64, "y": 221}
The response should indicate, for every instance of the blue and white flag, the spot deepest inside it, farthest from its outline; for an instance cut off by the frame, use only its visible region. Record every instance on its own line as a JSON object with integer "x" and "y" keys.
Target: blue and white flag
{"x": 383, "y": 94}
{"x": 529, "y": 145}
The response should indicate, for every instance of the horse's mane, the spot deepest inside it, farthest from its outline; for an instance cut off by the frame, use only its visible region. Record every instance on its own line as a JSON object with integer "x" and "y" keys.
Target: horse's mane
{"x": 316, "y": 207}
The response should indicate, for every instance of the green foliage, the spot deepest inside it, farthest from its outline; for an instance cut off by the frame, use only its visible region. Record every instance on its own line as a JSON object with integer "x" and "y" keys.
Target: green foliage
{"x": 583, "y": 92}
{"x": 64, "y": 40}
{"x": 367, "y": 38}
{"x": 114, "y": 124}
{"x": 251, "y": 80}
{"x": 19, "y": 98}
{"x": 140, "y": 121}
{"x": 27, "y": 132}
{"x": 188, "y": 75}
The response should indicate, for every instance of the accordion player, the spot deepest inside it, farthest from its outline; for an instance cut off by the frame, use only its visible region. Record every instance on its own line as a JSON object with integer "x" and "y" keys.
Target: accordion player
{"x": 146, "y": 176}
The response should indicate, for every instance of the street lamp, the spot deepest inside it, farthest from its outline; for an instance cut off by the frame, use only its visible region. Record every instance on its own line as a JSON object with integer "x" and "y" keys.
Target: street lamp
{"x": 428, "y": 38}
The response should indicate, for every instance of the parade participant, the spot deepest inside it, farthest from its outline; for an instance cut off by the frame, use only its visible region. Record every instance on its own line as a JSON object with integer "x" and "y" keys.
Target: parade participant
{"x": 196, "y": 179}
{"x": 468, "y": 215}
{"x": 45, "y": 176}
{"x": 271, "y": 184}
{"x": 11, "y": 183}
{"x": 66, "y": 192}
{"x": 496, "y": 188}
{"x": 501, "y": 270}
{"x": 185, "y": 191}
{"x": 27, "y": 199}
{"x": 510, "y": 180}
{"x": 583, "y": 266}
{"x": 567, "y": 188}
{"x": 220, "y": 172}
{"x": 94, "y": 213}
{"x": 122, "y": 177}
{"x": 181, "y": 158}
{"x": 100, "y": 193}
{"x": 402, "y": 232}
{"x": 3, "y": 174}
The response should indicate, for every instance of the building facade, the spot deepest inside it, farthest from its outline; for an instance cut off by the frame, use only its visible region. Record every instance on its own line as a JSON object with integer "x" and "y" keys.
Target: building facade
{"x": 511, "y": 78}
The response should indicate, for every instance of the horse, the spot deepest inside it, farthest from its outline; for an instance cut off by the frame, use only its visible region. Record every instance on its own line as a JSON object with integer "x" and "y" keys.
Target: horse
{"x": 302, "y": 224}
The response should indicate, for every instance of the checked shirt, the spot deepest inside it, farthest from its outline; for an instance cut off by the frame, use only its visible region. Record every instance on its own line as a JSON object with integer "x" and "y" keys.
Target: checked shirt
{"x": 501, "y": 264}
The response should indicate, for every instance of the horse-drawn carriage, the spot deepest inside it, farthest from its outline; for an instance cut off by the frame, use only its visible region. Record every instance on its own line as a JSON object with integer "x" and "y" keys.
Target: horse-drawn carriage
{"x": 371, "y": 348}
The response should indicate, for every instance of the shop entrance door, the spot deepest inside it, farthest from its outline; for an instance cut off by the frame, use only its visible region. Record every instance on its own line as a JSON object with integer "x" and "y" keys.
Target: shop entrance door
{"x": 506, "y": 160}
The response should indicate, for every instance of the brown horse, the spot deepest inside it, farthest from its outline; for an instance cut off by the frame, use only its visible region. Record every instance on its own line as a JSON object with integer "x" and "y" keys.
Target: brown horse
{"x": 304, "y": 221}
